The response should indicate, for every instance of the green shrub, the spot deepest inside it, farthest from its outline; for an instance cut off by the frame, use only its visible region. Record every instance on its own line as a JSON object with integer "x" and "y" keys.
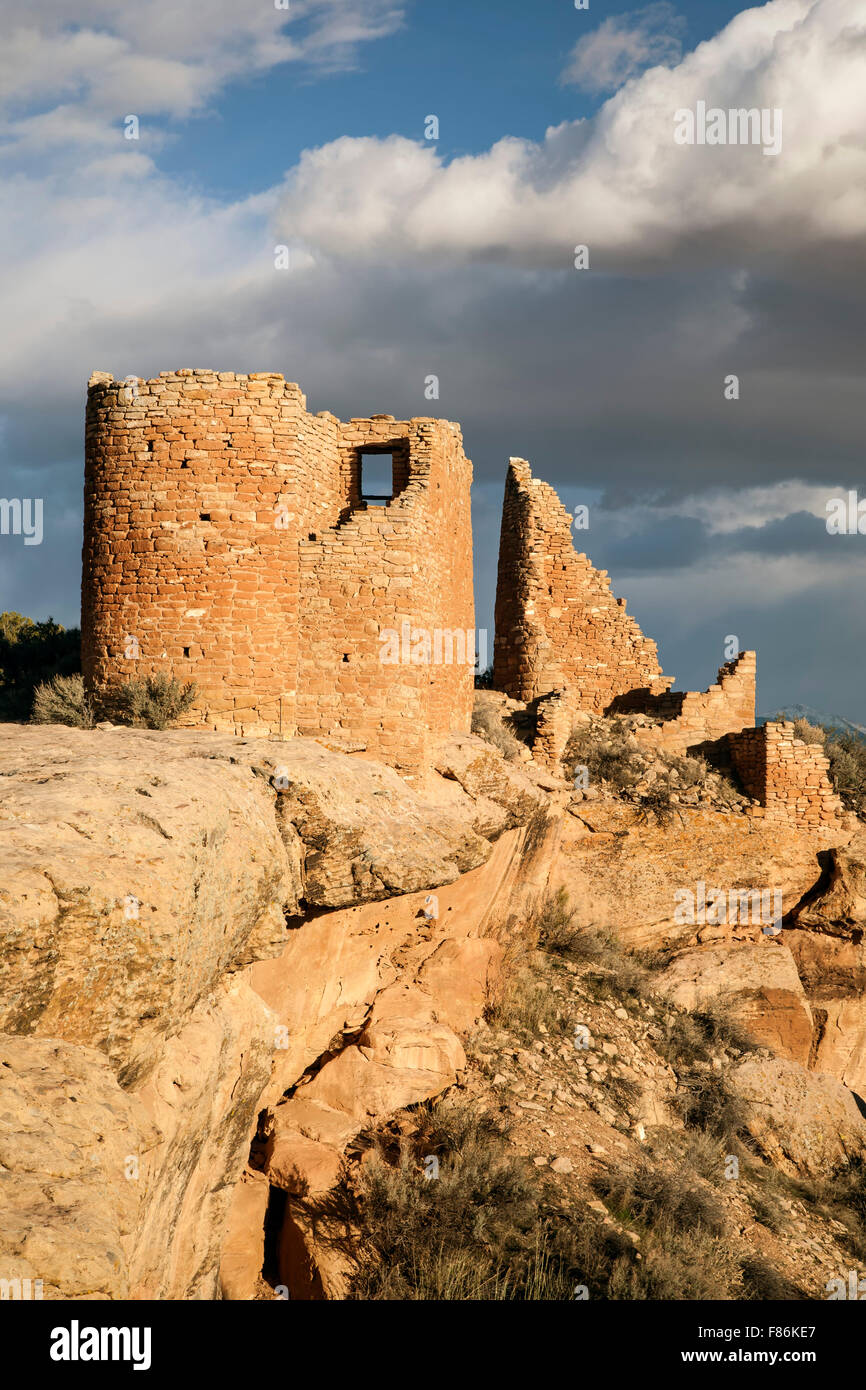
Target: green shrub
{"x": 809, "y": 733}
{"x": 696, "y": 1037}
{"x": 847, "y": 755}
{"x": 704, "y": 1100}
{"x": 62, "y": 700}
{"x": 651, "y": 1197}
{"x": 554, "y": 920}
{"x": 612, "y": 972}
{"x": 155, "y": 702}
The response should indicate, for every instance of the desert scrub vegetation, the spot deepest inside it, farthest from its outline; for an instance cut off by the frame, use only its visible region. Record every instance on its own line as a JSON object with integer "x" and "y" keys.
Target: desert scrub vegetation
{"x": 657, "y": 782}
{"x": 691, "y": 1044}
{"x": 684, "y": 1234}
{"x": 523, "y": 1001}
{"x": 488, "y": 1227}
{"x": 839, "y": 1198}
{"x": 608, "y": 752}
{"x": 156, "y": 702}
{"x": 847, "y": 755}
{"x": 62, "y": 700}
{"x": 550, "y": 930}
{"x": 478, "y": 1229}
{"x": 554, "y": 923}
{"x": 488, "y": 723}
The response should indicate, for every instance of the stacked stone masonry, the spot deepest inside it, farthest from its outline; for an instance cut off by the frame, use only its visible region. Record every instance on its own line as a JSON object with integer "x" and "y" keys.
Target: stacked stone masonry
{"x": 788, "y": 777}
{"x": 565, "y": 644}
{"x": 693, "y": 717}
{"x": 227, "y": 542}
{"x": 558, "y": 626}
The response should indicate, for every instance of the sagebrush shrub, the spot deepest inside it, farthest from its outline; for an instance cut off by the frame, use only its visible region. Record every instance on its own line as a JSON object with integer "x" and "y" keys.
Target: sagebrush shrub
{"x": 62, "y": 700}
{"x": 155, "y": 702}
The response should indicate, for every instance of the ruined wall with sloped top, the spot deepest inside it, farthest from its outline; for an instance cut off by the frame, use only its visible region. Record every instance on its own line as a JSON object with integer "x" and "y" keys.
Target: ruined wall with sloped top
{"x": 558, "y": 626}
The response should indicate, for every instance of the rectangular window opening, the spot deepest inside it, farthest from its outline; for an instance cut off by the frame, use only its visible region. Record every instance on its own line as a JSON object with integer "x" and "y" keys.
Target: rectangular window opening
{"x": 377, "y": 479}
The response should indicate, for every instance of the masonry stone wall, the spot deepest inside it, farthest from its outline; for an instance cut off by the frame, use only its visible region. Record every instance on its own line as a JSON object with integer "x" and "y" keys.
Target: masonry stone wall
{"x": 788, "y": 777}
{"x": 554, "y": 727}
{"x": 693, "y": 717}
{"x": 558, "y": 626}
{"x": 227, "y": 542}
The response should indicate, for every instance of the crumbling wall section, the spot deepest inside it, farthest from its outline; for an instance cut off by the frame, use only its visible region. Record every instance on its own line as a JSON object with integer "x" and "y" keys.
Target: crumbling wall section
{"x": 558, "y": 626}
{"x": 695, "y": 717}
{"x": 788, "y": 777}
{"x": 554, "y": 727}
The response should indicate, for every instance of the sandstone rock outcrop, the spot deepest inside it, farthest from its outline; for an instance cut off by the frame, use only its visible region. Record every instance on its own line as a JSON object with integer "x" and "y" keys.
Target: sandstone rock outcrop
{"x": 149, "y": 876}
{"x": 758, "y": 985}
{"x": 316, "y": 939}
{"x": 70, "y": 1195}
{"x": 625, "y": 871}
{"x": 805, "y": 1122}
{"x": 136, "y": 877}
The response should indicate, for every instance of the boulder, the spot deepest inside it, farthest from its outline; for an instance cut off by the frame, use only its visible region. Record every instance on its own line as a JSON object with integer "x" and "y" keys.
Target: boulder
{"x": 804, "y": 1122}
{"x": 404, "y": 1032}
{"x": 302, "y": 1166}
{"x": 503, "y": 793}
{"x": 365, "y": 833}
{"x": 758, "y": 984}
{"x": 833, "y": 971}
{"x": 135, "y": 877}
{"x": 404, "y": 1055}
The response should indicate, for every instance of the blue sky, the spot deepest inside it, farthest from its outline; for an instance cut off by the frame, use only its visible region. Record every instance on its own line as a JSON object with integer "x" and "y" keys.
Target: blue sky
{"x": 456, "y": 258}
{"x": 487, "y": 68}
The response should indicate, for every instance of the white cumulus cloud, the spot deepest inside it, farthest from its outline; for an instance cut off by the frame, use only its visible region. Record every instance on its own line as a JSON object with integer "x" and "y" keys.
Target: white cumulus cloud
{"x": 618, "y": 182}
{"x": 624, "y": 45}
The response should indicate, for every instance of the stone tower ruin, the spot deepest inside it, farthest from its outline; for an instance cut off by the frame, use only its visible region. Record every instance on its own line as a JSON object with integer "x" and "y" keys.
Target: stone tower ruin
{"x": 230, "y": 539}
